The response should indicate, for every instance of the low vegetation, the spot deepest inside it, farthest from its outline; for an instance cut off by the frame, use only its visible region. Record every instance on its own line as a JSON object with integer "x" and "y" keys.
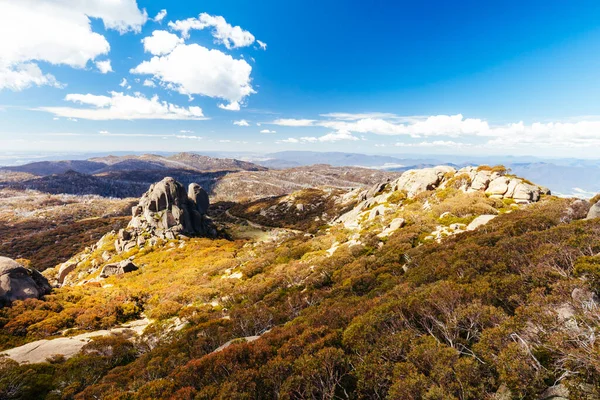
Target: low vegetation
{"x": 506, "y": 309}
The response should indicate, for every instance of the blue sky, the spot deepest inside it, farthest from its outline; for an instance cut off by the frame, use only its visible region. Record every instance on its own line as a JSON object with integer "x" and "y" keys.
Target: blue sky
{"x": 469, "y": 77}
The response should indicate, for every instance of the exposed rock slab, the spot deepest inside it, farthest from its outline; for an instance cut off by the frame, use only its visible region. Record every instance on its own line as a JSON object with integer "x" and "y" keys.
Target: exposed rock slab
{"x": 480, "y": 221}
{"x": 39, "y": 351}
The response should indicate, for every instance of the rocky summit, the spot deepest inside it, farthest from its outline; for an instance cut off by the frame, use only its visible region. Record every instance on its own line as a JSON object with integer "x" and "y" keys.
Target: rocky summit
{"x": 167, "y": 211}
{"x": 20, "y": 283}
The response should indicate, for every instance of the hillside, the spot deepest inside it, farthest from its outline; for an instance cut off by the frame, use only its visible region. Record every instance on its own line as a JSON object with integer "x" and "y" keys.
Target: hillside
{"x": 224, "y": 179}
{"x": 397, "y": 291}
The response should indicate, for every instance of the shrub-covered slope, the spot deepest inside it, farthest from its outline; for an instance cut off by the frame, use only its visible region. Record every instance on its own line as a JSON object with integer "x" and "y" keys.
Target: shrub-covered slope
{"x": 508, "y": 310}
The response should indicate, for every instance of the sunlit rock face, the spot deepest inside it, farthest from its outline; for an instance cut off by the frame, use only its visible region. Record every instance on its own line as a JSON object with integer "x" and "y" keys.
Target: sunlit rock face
{"x": 20, "y": 283}
{"x": 167, "y": 211}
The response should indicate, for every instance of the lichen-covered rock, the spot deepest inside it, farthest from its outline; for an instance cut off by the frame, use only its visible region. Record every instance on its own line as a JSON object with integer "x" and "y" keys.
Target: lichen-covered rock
{"x": 120, "y": 268}
{"x": 165, "y": 212}
{"x": 416, "y": 181}
{"x": 20, "y": 283}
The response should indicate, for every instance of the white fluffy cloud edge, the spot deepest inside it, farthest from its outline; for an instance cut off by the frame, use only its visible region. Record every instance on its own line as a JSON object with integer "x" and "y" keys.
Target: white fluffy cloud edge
{"x": 450, "y": 131}
{"x": 59, "y": 32}
{"x": 119, "y": 106}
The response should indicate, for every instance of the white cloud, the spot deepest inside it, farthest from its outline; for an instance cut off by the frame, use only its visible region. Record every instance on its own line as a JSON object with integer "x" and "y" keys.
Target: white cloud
{"x": 223, "y": 32}
{"x": 160, "y": 16}
{"x": 262, "y": 44}
{"x": 331, "y": 137}
{"x": 120, "y": 106}
{"x": 104, "y": 66}
{"x": 149, "y": 83}
{"x": 474, "y": 132}
{"x": 267, "y": 131}
{"x": 289, "y": 140}
{"x": 21, "y": 76}
{"x": 242, "y": 122}
{"x": 185, "y": 131}
{"x": 294, "y": 122}
{"x": 57, "y": 32}
{"x": 354, "y": 117}
{"x": 233, "y": 106}
{"x": 337, "y": 136}
{"x": 193, "y": 69}
{"x": 123, "y": 83}
{"x": 435, "y": 143}
{"x": 161, "y": 43}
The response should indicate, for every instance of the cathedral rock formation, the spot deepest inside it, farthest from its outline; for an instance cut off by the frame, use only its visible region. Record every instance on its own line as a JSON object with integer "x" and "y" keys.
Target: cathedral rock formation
{"x": 167, "y": 211}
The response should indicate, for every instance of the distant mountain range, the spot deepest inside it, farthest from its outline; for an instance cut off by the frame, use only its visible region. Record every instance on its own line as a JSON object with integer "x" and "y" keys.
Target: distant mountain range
{"x": 568, "y": 177}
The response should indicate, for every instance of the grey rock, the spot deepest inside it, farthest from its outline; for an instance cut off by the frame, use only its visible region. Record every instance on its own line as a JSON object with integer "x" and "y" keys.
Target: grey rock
{"x": 578, "y": 209}
{"x": 199, "y": 196}
{"x": 20, "y": 283}
{"x": 526, "y": 192}
{"x": 165, "y": 212}
{"x": 120, "y": 268}
{"x": 498, "y": 186}
{"x": 64, "y": 270}
{"x": 420, "y": 180}
{"x": 594, "y": 211}
{"x": 480, "y": 221}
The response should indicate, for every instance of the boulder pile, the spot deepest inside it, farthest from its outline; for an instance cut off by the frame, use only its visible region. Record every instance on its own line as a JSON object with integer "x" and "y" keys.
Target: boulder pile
{"x": 20, "y": 283}
{"x": 494, "y": 182}
{"x": 166, "y": 211}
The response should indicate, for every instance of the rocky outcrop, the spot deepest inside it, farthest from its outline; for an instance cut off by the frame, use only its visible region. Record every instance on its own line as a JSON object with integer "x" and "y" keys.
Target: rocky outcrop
{"x": 20, "y": 283}
{"x": 120, "y": 268}
{"x": 494, "y": 182}
{"x": 594, "y": 211}
{"x": 167, "y": 211}
{"x": 415, "y": 181}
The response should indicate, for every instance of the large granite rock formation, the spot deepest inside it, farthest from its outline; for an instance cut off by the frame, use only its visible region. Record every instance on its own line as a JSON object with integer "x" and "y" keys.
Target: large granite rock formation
{"x": 494, "y": 182}
{"x": 20, "y": 283}
{"x": 167, "y": 211}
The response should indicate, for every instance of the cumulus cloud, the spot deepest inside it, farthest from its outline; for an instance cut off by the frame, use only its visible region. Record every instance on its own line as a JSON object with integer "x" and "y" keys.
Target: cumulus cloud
{"x": 194, "y": 69}
{"x": 473, "y": 132}
{"x": 124, "y": 84}
{"x": 21, "y": 76}
{"x": 223, "y": 32}
{"x": 241, "y": 122}
{"x": 233, "y": 106}
{"x": 267, "y": 131}
{"x": 149, "y": 83}
{"x": 161, "y": 43}
{"x": 104, "y": 66}
{"x": 119, "y": 106}
{"x": 58, "y": 32}
{"x": 262, "y": 44}
{"x": 160, "y": 16}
